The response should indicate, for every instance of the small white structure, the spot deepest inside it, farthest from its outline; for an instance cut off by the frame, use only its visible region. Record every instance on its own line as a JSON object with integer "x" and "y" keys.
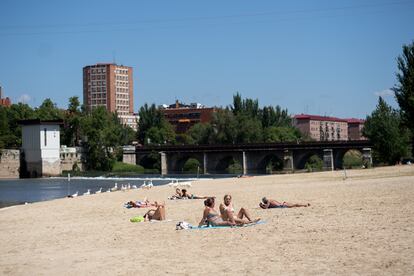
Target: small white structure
{"x": 41, "y": 147}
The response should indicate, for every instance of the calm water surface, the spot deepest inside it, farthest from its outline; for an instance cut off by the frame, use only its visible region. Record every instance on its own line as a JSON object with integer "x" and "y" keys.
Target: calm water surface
{"x": 20, "y": 191}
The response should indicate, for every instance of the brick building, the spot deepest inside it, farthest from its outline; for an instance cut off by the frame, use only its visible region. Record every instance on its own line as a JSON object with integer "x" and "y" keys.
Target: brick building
{"x": 183, "y": 117}
{"x": 110, "y": 85}
{"x": 355, "y": 127}
{"x": 323, "y": 128}
{"x": 4, "y": 101}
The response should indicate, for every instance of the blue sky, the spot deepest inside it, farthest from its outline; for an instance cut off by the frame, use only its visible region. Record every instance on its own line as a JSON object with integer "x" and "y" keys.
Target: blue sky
{"x": 318, "y": 57}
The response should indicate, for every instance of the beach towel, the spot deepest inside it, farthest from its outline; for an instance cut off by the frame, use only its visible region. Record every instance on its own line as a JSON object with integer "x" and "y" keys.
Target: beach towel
{"x": 137, "y": 219}
{"x": 182, "y": 225}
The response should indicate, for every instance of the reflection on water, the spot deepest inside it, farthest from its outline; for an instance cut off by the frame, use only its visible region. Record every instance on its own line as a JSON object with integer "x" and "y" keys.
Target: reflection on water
{"x": 19, "y": 191}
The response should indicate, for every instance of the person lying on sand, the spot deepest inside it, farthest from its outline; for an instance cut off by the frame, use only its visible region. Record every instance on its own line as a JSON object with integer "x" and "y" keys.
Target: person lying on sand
{"x": 271, "y": 203}
{"x": 227, "y": 212}
{"x": 185, "y": 195}
{"x": 139, "y": 204}
{"x": 156, "y": 214}
{"x": 178, "y": 194}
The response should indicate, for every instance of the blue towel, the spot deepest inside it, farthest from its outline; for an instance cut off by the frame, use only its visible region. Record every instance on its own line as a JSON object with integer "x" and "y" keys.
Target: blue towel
{"x": 225, "y": 226}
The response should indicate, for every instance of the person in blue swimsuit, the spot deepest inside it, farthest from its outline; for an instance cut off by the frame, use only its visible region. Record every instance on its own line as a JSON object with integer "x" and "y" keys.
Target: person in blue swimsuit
{"x": 271, "y": 203}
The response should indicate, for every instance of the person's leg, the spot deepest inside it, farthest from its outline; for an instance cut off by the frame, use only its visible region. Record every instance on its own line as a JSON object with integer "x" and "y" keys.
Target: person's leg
{"x": 245, "y": 213}
{"x": 149, "y": 215}
{"x": 292, "y": 205}
{"x": 159, "y": 214}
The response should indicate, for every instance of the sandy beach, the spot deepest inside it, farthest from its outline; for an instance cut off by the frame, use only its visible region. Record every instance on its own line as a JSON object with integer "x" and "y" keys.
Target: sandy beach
{"x": 362, "y": 225}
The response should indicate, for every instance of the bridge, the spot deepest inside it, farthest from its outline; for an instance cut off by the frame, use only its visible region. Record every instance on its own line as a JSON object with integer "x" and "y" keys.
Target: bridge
{"x": 254, "y": 158}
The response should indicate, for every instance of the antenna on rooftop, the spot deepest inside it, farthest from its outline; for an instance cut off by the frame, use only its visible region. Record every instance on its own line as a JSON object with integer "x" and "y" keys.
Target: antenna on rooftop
{"x": 114, "y": 57}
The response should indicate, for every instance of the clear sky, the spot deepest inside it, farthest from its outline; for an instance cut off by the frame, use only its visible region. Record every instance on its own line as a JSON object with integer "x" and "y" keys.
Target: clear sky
{"x": 318, "y": 57}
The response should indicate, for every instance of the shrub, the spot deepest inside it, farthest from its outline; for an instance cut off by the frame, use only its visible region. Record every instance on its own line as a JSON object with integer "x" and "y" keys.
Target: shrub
{"x": 235, "y": 168}
{"x": 314, "y": 164}
{"x": 352, "y": 159}
{"x": 191, "y": 166}
{"x": 123, "y": 167}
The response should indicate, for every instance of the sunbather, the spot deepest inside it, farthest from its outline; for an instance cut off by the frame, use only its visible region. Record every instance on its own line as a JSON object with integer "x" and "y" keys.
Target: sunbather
{"x": 227, "y": 212}
{"x": 139, "y": 204}
{"x": 178, "y": 194}
{"x": 211, "y": 216}
{"x": 191, "y": 196}
{"x": 271, "y": 203}
{"x": 156, "y": 214}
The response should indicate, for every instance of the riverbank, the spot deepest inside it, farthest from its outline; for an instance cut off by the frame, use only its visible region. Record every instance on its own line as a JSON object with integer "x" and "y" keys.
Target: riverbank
{"x": 361, "y": 225}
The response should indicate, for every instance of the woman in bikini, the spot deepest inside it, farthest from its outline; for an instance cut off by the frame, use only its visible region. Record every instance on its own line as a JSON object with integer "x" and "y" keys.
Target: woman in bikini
{"x": 211, "y": 216}
{"x": 271, "y": 203}
{"x": 156, "y": 214}
{"x": 227, "y": 212}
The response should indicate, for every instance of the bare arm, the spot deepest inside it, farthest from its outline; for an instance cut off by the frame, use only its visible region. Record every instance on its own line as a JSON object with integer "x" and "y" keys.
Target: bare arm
{"x": 203, "y": 220}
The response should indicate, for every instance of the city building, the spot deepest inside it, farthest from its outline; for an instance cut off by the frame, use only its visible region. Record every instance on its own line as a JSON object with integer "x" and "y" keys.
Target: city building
{"x": 4, "y": 101}
{"x": 355, "y": 127}
{"x": 110, "y": 85}
{"x": 183, "y": 117}
{"x": 322, "y": 128}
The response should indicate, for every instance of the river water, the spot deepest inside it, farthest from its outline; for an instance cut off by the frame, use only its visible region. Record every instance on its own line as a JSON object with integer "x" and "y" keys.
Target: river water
{"x": 20, "y": 191}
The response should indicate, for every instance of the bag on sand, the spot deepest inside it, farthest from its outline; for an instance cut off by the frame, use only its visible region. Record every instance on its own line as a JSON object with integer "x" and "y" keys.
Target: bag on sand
{"x": 183, "y": 225}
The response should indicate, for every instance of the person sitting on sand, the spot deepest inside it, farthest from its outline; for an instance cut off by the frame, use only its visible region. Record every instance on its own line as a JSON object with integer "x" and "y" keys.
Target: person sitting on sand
{"x": 156, "y": 214}
{"x": 184, "y": 195}
{"x": 211, "y": 216}
{"x": 227, "y": 212}
{"x": 271, "y": 203}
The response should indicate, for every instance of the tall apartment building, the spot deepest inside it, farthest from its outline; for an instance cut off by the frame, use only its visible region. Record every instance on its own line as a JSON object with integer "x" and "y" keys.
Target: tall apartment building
{"x": 110, "y": 85}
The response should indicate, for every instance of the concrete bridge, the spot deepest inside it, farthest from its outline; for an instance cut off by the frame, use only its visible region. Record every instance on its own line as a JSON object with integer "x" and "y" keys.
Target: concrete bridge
{"x": 254, "y": 158}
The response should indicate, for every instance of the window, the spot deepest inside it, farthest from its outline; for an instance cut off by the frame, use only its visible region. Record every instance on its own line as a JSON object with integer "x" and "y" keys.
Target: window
{"x": 45, "y": 136}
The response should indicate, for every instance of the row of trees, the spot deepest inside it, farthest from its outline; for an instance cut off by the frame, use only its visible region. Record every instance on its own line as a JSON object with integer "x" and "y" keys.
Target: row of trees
{"x": 390, "y": 130}
{"x": 243, "y": 122}
{"x": 98, "y": 131}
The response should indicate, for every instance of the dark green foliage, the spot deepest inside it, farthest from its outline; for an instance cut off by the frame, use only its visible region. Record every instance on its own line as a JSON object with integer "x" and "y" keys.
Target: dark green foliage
{"x": 314, "y": 163}
{"x": 224, "y": 127}
{"x": 404, "y": 90}
{"x": 234, "y": 168}
{"x": 48, "y": 111}
{"x": 389, "y": 138}
{"x": 191, "y": 166}
{"x": 280, "y": 134}
{"x": 200, "y": 133}
{"x": 101, "y": 131}
{"x": 352, "y": 159}
{"x": 72, "y": 120}
{"x": 151, "y": 161}
{"x": 274, "y": 165}
{"x": 153, "y": 127}
{"x": 123, "y": 167}
{"x": 275, "y": 117}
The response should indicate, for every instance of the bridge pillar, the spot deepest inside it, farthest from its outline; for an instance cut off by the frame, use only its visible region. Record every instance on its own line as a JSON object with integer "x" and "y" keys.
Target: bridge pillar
{"x": 244, "y": 163}
{"x": 205, "y": 161}
{"x": 129, "y": 155}
{"x": 164, "y": 169}
{"x": 288, "y": 161}
{"x": 328, "y": 161}
{"x": 367, "y": 157}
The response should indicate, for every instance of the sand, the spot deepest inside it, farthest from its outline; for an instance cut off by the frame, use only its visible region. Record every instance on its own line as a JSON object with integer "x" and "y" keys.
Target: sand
{"x": 362, "y": 225}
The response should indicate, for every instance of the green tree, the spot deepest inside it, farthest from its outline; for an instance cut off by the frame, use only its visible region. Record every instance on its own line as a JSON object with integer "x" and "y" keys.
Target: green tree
{"x": 224, "y": 127}
{"x": 280, "y": 134}
{"x": 72, "y": 119}
{"x": 200, "y": 133}
{"x": 48, "y": 111}
{"x": 15, "y": 113}
{"x": 152, "y": 120}
{"x": 404, "y": 90}
{"x": 100, "y": 131}
{"x": 249, "y": 129}
{"x": 384, "y": 129}
{"x": 352, "y": 159}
